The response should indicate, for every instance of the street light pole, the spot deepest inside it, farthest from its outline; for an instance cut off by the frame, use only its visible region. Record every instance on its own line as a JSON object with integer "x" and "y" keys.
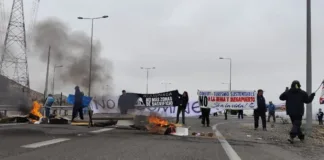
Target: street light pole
{"x": 230, "y": 76}
{"x": 91, "y": 41}
{"x": 147, "y": 76}
{"x": 56, "y": 66}
{"x": 309, "y": 115}
{"x": 166, "y": 85}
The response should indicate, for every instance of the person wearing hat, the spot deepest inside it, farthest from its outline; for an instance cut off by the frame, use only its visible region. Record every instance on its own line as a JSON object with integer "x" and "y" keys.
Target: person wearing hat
{"x": 295, "y": 99}
{"x": 260, "y": 111}
{"x": 271, "y": 111}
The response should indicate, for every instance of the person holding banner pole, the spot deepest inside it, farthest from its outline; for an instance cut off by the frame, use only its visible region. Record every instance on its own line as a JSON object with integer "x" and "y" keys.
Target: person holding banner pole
{"x": 295, "y": 98}
{"x": 184, "y": 98}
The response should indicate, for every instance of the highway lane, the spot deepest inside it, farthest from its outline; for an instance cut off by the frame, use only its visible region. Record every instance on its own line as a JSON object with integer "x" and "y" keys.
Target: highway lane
{"x": 53, "y": 142}
{"x": 128, "y": 145}
{"x": 71, "y": 142}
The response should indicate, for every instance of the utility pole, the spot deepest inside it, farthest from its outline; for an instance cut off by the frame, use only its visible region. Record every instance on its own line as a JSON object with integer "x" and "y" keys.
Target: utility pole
{"x": 309, "y": 114}
{"x": 147, "y": 76}
{"x": 48, "y": 62}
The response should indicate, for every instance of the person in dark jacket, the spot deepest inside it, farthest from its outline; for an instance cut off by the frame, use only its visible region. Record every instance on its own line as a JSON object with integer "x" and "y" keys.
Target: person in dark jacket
{"x": 240, "y": 114}
{"x": 271, "y": 111}
{"x": 225, "y": 113}
{"x": 205, "y": 112}
{"x": 122, "y": 103}
{"x": 320, "y": 115}
{"x": 184, "y": 98}
{"x": 260, "y": 111}
{"x": 295, "y": 98}
{"x": 77, "y": 106}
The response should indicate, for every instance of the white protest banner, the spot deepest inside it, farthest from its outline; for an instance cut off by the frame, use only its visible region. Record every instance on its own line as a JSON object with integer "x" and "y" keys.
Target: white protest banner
{"x": 106, "y": 105}
{"x": 238, "y": 100}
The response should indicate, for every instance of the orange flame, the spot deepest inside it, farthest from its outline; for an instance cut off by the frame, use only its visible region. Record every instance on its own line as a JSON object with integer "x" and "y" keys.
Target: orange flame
{"x": 157, "y": 120}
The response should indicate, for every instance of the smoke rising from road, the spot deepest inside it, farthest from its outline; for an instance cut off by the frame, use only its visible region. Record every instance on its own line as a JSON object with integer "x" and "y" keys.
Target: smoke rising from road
{"x": 72, "y": 50}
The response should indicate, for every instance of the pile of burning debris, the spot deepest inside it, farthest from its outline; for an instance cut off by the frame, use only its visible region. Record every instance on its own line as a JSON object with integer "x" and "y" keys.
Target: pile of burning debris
{"x": 158, "y": 125}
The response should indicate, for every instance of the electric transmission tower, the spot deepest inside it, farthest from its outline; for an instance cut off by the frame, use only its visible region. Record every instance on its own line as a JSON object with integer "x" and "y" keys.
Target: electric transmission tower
{"x": 13, "y": 63}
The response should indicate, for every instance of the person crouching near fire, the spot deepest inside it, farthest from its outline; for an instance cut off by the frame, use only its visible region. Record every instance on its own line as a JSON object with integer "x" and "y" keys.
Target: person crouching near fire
{"x": 48, "y": 104}
{"x": 34, "y": 115}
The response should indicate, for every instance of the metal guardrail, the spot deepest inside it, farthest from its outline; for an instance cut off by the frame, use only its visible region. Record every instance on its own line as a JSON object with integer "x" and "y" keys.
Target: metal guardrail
{"x": 5, "y": 108}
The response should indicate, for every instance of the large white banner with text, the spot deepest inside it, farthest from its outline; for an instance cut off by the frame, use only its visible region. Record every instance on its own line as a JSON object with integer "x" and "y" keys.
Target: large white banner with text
{"x": 110, "y": 105}
{"x": 238, "y": 100}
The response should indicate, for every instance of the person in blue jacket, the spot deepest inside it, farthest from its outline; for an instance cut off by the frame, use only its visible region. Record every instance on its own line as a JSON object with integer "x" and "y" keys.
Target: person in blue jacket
{"x": 271, "y": 111}
{"x": 48, "y": 104}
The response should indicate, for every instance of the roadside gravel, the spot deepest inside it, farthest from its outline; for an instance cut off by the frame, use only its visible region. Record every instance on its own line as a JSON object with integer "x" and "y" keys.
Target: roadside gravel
{"x": 311, "y": 149}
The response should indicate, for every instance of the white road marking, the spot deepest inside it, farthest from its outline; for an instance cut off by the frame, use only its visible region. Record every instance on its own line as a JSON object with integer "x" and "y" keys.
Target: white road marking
{"x": 12, "y": 124}
{"x": 102, "y": 130}
{"x": 45, "y": 143}
{"x": 232, "y": 155}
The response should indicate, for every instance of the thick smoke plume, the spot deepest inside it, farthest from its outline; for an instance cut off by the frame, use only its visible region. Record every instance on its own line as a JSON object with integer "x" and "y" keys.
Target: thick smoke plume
{"x": 72, "y": 50}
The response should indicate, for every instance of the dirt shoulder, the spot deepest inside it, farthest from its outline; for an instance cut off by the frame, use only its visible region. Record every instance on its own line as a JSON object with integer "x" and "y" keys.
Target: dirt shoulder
{"x": 312, "y": 148}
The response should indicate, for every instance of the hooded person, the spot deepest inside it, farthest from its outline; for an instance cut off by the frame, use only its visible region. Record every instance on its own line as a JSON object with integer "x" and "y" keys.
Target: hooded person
{"x": 78, "y": 105}
{"x": 295, "y": 99}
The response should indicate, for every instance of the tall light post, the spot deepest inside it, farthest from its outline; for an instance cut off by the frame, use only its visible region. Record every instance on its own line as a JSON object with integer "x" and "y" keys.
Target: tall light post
{"x": 53, "y": 84}
{"x": 309, "y": 115}
{"x": 166, "y": 85}
{"x": 230, "y": 80}
{"x": 90, "y": 69}
{"x": 147, "y": 76}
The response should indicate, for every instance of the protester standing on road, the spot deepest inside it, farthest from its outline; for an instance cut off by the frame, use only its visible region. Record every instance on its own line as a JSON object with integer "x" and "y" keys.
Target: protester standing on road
{"x": 225, "y": 113}
{"x": 122, "y": 103}
{"x": 78, "y": 106}
{"x": 320, "y": 116}
{"x": 260, "y": 111}
{"x": 295, "y": 98}
{"x": 205, "y": 112}
{"x": 48, "y": 104}
{"x": 240, "y": 114}
{"x": 184, "y": 98}
{"x": 271, "y": 111}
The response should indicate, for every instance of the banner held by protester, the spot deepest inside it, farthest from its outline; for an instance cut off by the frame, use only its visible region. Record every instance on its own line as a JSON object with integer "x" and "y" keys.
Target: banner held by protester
{"x": 238, "y": 100}
{"x": 321, "y": 99}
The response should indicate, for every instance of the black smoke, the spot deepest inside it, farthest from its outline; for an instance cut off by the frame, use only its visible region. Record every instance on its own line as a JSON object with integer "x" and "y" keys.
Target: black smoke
{"x": 72, "y": 50}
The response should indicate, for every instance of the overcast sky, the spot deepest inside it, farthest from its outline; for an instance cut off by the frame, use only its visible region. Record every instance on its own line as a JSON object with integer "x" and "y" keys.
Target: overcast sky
{"x": 184, "y": 39}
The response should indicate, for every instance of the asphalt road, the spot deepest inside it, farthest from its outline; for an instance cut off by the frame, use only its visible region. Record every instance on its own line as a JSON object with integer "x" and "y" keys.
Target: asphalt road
{"x": 59, "y": 142}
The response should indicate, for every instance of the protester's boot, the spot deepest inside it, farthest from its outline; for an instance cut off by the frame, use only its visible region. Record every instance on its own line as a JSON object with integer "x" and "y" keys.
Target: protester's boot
{"x": 301, "y": 138}
{"x": 291, "y": 140}
{"x": 265, "y": 129}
